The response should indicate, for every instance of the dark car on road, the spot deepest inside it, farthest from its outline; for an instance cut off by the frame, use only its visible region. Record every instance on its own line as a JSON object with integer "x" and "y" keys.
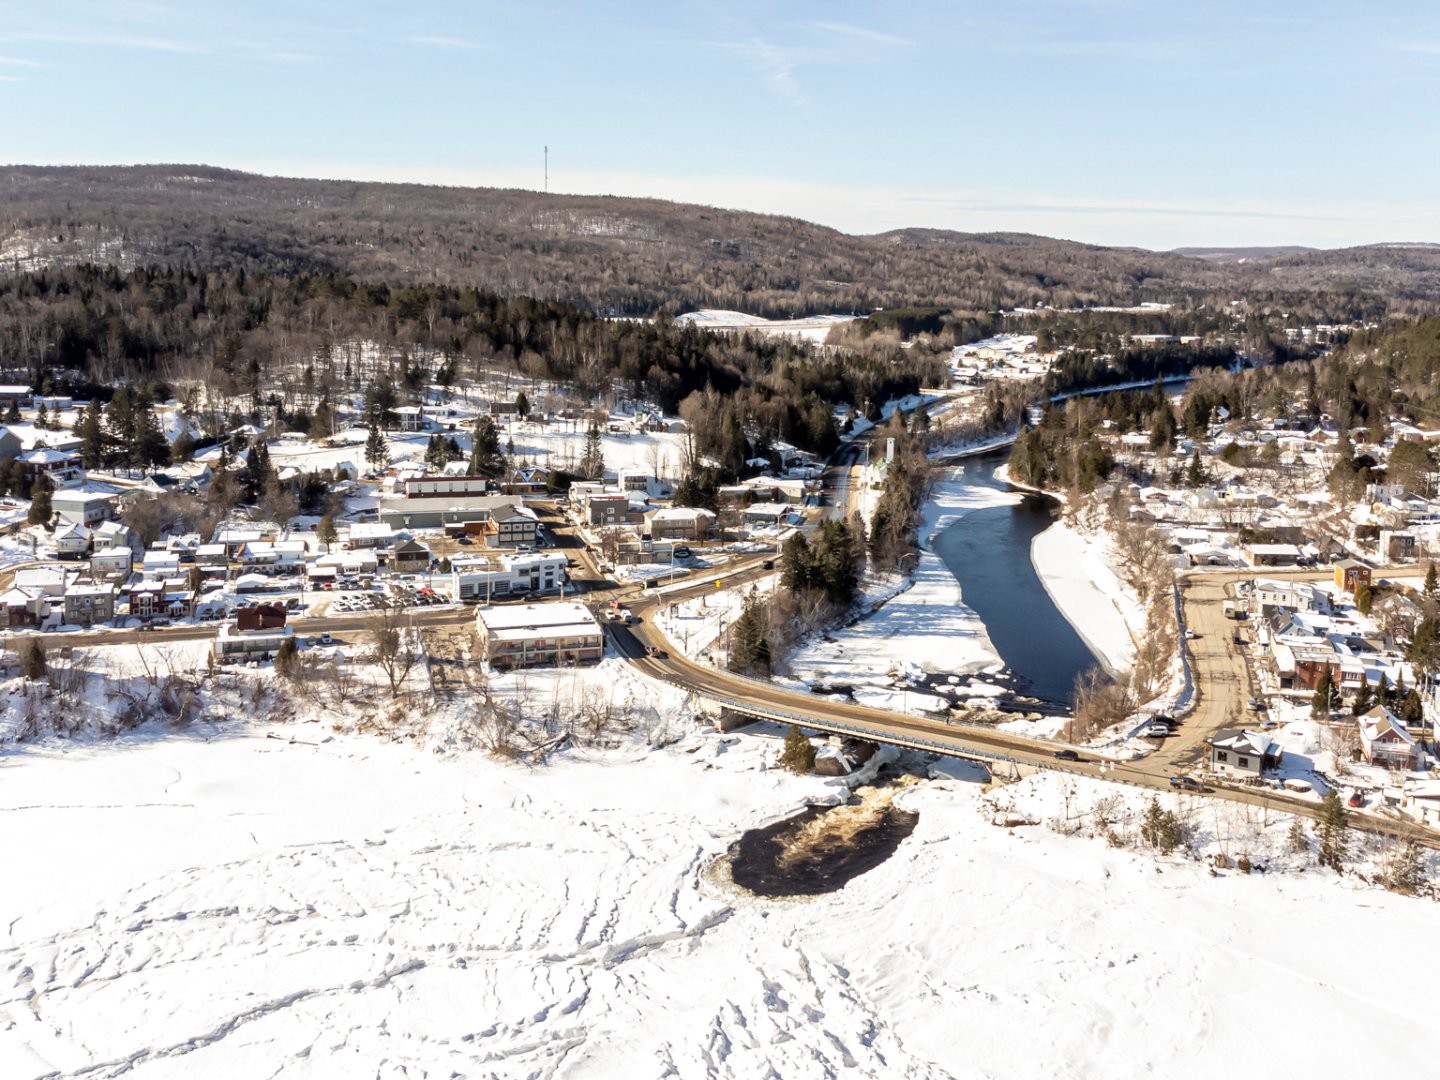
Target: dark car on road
{"x": 1186, "y": 783}
{"x": 658, "y": 654}
{"x": 1067, "y": 755}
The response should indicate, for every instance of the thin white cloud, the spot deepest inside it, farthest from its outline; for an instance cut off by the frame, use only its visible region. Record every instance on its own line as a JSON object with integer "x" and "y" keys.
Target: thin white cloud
{"x": 440, "y": 42}
{"x": 11, "y": 78}
{"x": 123, "y": 41}
{"x": 862, "y": 33}
{"x": 776, "y": 65}
{"x": 15, "y": 61}
{"x": 1423, "y": 48}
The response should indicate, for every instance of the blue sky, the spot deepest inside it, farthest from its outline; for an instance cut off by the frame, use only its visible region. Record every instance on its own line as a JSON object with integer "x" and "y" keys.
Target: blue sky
{"x": 1111, "y": 121}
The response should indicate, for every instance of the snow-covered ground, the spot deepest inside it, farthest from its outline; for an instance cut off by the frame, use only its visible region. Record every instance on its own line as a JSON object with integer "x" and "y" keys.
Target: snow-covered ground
{"x": 1077, "y": 571}
{"x": 814, "y": 329}
{"x": 224, "y": 903}
{"x": 927, "y": 626}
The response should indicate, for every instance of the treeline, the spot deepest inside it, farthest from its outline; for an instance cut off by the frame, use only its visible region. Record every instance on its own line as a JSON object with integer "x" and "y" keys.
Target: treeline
{"x": 1074, "y": 370}
{"x": 290, "y": 348}
{"x": 633, "y": 256}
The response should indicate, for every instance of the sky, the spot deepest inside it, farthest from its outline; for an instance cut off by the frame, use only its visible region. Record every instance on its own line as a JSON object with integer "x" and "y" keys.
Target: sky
{"x": 1154, "y": 124}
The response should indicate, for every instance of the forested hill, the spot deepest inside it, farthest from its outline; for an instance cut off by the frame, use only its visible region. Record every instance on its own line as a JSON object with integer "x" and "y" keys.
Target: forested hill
{"x": 634, "y": 255}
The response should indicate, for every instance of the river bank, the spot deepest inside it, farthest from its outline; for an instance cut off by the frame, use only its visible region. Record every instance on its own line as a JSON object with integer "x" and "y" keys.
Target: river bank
{"x": 1077, "y": 570}
{"x": 926, "y": 629}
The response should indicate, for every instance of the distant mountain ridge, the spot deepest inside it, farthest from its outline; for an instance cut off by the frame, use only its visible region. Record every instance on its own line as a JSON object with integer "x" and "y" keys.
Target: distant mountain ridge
{"x": 630, "y": 255}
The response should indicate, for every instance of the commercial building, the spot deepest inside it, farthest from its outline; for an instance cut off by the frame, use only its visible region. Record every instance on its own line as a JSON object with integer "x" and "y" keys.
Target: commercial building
{"x": 479, "y": 577}
{"x": 232, "y": 643}
{"x": 529, "y": 635}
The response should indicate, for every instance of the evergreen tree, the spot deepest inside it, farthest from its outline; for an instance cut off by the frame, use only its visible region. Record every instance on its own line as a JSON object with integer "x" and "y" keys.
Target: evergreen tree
{"x": 1333, "y": 823}
{"x": 12, "y": 413}
{"x": 795, "y": 568}
{"x": 1432, "y": 585}
{"x": 1162, "y": 427}
{"x": 798, "y": 755}
{"x": 1326, "y": 697}
{"x": 485, "y": 456}
{"x": 1412, "y": 712}
{"x": 257, "y": 472}
{"x": 90, "y": 430}
{"x": 1407, "y": 874}
{"x": 1195, "y": 473}
{"x": 1382, "y": 690}
{"x": 322, "y": 424}
{"x": 522, "y": 405}
{"x": 287, "y": 659}
{"x": 325, "y": 531}
{"x": 592, "y": 460}
{"x": 183, "y": 448}
{"x": 377, "y": 454}
{"x": 749, "y": 651}
{"x": 148, "y": 445}
{"x": 1363, "y": 702}
{"x": 1364, "y": 598}
{"x": 41, "y": 510}
{"x": 42, "y": 418}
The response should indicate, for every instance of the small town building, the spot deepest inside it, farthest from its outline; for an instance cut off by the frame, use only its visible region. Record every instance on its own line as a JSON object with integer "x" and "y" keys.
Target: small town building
{"x": 232, "y": 643}
{"x": 530, "y": 635}
{"x": 1243, "y": 753}
{"x": 1384, "y": 741}
{"x": 88, "y": 603}
{"x": 72, "y": 541}
{"x": 84, "y": 507}
{"x": 681, "y": 523}
{"x": 485, "y": 577}
{"x": 1350, "y": 574}
{"x": 411, "y": 557}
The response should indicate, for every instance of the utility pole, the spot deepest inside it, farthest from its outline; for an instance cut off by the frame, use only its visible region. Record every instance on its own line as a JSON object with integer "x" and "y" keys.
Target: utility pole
{"x": 547, "y": 170}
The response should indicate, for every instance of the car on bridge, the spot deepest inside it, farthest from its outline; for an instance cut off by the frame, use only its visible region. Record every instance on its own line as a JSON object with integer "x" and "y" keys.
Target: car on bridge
{"x": 1066, "y": 755}
{"x": 1186, "y": 783}
{"x": 656, "y": 654}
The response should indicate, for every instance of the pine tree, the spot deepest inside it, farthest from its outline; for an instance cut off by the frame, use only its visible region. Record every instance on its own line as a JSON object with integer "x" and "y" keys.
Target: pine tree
{"x": 12, "y": 413}
{"x": 41, "y": 510}
{"x": 287, "y": 659}
{"x": 1195, "y": 473}
{"x": 91, "y": 432}
{"x": 1413, "y": 709}
{"x": 1325, "y": 698}
{"x": 592, "y": 460}
{"x": 1407, "y": 874}
{"x": 749, "y": 651}
{"x": 377, "y": 454}
{"x": 42, "y": 418}
{"x": 1432, "y": 583}
{"x": 798, "y": 754}
{"x": 148, "y": 445}
{"x": 1364, "y": 598}
{"x": 325, "y": 531}
{"x": 485, "y": 456}
{"x": 322, "y": 424}
{"x": 1333, "y": 823}
{"x": 1362, "y": 703}
{"x": 522, "y": 405}
{"x": 795, "y": 565}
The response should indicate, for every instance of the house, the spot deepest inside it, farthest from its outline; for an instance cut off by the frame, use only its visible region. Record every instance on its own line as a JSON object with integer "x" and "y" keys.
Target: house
{"x": 20, "y": 608}
{"x": 72, "y": 541}
{"x": 411, "y": 418}
{"x": 212, "y": 557}
{"x": 605, "y": 508}
{"x": 505, "y": 411}
{"x": 1385, "y": 742}
{"x": 527, "y": 635}
{"x": 369, "y": 534}
{"x": 770, "y": 514}
{"x": 1350, "y": 574}
{"x": 526, "y": 480}
{"x": 1273, "y": 554}
{"x": 1421, "y": 800}
{"x": 233, "y": 643}
{"x": 411, "y": 557}
{"x": 87, "y": 604}
{"x": 112, "y": 534}
{"x": 84, "y": 507}
{"x": 681, "y": 523}
{"x": 116, "y": 560}
{"x": 49, "y": 580}
{"x": 260, "y": 617}
{"x": 1243, "y": 753}
{"x": 418, "y": 486}
{"x": 61, "y": 466}
{"x": 273, "y": 556}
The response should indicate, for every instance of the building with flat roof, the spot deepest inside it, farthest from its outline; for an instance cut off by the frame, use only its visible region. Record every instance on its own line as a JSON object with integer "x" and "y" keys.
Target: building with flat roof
{"x": 531, "y": 635}
{"x": 232, "y": 643}
{"x": 480, "y": 577}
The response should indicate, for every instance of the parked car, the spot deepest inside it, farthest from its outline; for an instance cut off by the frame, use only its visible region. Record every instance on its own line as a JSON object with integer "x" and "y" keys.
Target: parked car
{"x": 1190, "y": 635}
{"x": 1067, "y": 755}
{"x": 1157, "y": 731}
{"x": 1255, "y": 705}
{"x": 1356, "y": 799}
{"x": 1186, "y": 783}
{"x": 768, "y": 564}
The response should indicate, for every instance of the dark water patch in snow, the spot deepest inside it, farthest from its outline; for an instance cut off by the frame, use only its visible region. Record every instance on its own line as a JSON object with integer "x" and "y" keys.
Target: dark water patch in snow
{"x": 821, "y": 848}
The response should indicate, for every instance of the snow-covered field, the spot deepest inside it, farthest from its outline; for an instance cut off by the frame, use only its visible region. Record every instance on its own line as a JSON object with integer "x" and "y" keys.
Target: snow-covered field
{"x": 813, "y": 329}
{"x": 221, "y": 903}
{"x": 927, "y": 626}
